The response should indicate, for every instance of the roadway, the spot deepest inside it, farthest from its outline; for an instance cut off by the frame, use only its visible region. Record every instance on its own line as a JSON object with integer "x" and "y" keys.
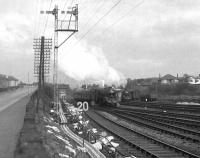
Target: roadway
{"x": 12, "y": 111}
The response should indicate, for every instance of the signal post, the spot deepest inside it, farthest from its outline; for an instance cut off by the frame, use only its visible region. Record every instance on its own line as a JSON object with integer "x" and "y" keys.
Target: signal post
{"x": 71, "y": 26}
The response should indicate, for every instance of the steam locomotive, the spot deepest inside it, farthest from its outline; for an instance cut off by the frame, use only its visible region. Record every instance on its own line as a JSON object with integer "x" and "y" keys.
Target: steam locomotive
{"x": 99, "y": 96}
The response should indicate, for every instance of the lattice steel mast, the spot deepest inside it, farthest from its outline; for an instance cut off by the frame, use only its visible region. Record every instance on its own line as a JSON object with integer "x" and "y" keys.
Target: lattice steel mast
{"x": 61, "y": 27}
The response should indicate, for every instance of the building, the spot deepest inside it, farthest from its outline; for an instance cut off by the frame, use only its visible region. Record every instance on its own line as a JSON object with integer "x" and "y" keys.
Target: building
{"x": 3, "y": 81}
{"x": 12, "y": 81}
{"x": 8, "y": 81}
{"x": 193, "y": 80}
{"x": 168, "y": 79}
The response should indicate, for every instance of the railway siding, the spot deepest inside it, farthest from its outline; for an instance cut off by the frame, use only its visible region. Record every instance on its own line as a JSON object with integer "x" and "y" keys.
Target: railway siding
{"x": 92, "y": 151}
{"x": 165, "y": 121}
{"x": 181, "y": 140}
{"x": 160, "y": 127}
{"x": 179, "y": 108}
{"x": 192, "y": 120}
{"x": 149, "y": 145}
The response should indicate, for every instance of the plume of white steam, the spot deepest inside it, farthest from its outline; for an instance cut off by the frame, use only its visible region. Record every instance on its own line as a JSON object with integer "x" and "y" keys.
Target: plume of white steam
{"x": 84, "y": 63}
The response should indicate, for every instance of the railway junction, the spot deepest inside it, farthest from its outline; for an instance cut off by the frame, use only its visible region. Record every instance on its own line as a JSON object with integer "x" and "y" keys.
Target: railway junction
{"x": 154, "y": 130}
{"x": 77, "y": 103}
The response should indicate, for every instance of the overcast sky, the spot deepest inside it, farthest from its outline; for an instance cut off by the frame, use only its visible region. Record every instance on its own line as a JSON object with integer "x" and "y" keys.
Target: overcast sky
{"x": 138, "y": 38}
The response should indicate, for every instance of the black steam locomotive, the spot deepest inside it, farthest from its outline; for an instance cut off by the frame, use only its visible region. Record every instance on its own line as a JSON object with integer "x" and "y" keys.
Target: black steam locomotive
{"x": 99, "y": 96}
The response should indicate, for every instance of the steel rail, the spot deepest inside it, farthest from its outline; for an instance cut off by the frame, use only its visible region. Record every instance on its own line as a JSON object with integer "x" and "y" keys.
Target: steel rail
{"x": 141, "y": 135}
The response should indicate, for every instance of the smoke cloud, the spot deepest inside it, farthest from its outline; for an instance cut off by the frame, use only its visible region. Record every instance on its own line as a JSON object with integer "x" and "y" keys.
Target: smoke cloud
{"x": 87, "y": 63}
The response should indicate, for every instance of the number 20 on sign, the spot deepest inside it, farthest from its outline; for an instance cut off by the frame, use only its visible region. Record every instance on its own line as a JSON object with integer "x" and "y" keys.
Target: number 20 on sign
{"x": 83, "y": 106}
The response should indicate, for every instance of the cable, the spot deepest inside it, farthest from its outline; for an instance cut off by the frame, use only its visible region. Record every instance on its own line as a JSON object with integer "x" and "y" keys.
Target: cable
{"x": 123, "y": 16}
{"x": 99, "y": 20}
{"x": 97, "y": 8}
{"x": 40, "y": 27}
{"x": 65, "y": 4}
{"x": 70, "y": 5}
{"x": 85, "y": 8}
{"x": 36, "y": 17}
{"x": 100, "y": 6}
{"x": 47, "y": 17}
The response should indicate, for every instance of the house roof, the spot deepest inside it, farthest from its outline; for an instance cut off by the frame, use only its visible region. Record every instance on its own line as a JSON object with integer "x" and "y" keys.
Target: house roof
{"x": 168, "y": 77}
{"x": 8, "y": 78}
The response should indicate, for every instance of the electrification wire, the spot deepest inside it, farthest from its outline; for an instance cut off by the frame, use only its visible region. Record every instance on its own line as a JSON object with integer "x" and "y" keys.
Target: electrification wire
{"x": 47, "y": 16}
{"x": 98, "y": 8}
{"x": 70, "y": 5}
{"x": 92, "y": 13}
{"x": 65, "y": 4}
{"x": 125, "y": 15}
{"x": 91, "y": 28}
{"x": 86, "y": 8}
{"x": 36, "y": 26}
{"x": 40, "y": 26}
{"x": 88, "y": 12}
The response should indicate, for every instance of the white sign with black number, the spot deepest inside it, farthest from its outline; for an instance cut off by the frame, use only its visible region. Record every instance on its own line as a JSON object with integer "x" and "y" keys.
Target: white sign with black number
{"x": 83, "y": 106}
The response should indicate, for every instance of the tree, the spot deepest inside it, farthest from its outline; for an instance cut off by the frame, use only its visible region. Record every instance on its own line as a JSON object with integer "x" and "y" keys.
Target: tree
{"x": 186, "y": 76}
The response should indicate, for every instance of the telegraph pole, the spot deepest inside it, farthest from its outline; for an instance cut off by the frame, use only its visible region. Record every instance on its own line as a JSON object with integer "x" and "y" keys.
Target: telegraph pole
{"x": 41, "y": 63}
{"x": 28, "y": 83}
{"x": 42, "y": 49}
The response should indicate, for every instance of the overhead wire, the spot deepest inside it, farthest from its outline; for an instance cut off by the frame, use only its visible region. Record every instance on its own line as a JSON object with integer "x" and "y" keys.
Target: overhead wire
{"x": 86, "y": 8}
{"x": 124, "y": 16}
{"x": 91, "y": 28}
{"x": 87, "y": 12}
{"x": 65, "y": 4}
{"x": 97, "y": 9}
{"x": 40, "y": 26}
{"x": 47, "y": 16}
{"x": 66, "y": 14}
{"x": 36, "y": 25}
{"x": 79, "y": 8}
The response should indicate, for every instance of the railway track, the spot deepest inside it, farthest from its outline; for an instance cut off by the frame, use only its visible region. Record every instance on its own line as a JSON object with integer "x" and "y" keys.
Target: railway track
{"x": 93, "y": 152}
{"x": 150, "y": 146}
{"x": 182, "y": 133}
{"x": 166, "y": 106}
{"x": 173, "y": 118}
{"x": 190, "y": 119}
